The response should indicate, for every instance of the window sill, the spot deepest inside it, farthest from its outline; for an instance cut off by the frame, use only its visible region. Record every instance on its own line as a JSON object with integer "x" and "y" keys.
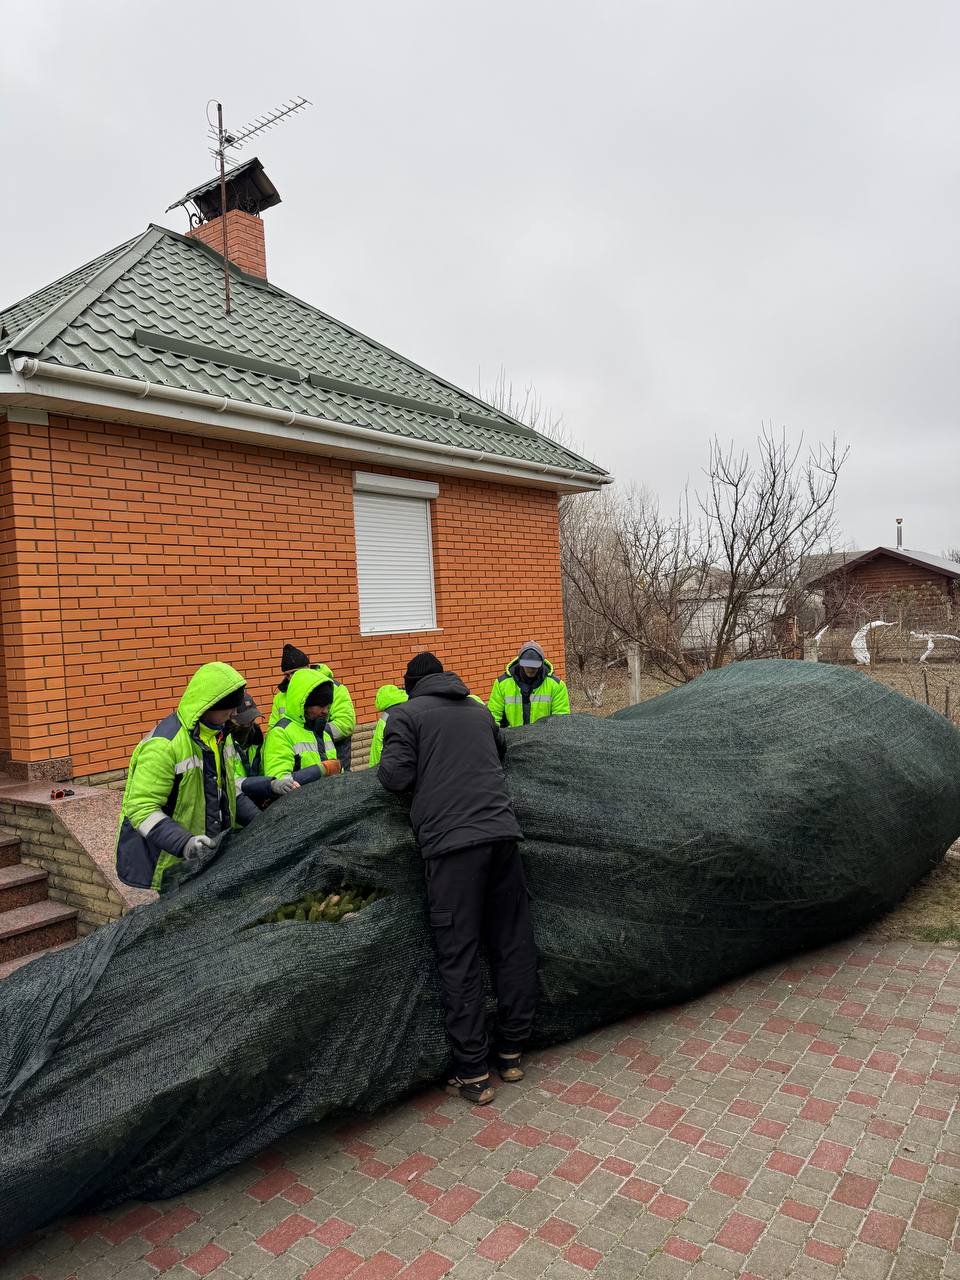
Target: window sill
{"x": 413, "y": 631}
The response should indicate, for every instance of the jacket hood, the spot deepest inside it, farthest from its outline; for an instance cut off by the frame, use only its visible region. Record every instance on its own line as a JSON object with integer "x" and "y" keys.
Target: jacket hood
{"x": 301, "y": 683}
{"x": 210, "y": 683}
{"x": 388, "y": 695}
{"x": 322, "y": 668}
{"x": 514, "y": 663}
{"x": 445, "y": 684}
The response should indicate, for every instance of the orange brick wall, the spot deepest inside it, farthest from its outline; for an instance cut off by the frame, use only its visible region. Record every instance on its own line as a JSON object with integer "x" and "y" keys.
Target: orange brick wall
{"x": 165, "y": 551}
{"x": 246, "y": 245}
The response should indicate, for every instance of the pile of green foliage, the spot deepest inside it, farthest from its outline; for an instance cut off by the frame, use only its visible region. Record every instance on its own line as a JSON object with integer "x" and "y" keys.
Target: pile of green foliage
{"x": 329, "y": 908}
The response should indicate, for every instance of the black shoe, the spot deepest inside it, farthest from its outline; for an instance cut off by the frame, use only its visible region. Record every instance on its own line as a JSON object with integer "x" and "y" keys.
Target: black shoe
{"x": 478, "y": 1092}
{"x": 510, "y": 1067}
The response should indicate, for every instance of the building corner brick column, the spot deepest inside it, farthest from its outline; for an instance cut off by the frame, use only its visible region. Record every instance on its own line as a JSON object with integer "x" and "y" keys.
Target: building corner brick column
{"x": 35, "y": 738}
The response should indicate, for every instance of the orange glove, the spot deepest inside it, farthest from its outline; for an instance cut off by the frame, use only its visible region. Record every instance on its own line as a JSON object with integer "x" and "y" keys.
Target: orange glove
{"x": 330, "y": 767}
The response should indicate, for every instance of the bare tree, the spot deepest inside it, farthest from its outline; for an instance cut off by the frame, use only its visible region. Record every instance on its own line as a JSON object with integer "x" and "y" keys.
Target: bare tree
{"x": 952, "y": 553}
{"x": 591, "y": 644}
{"x": 725, "y": 578}
{"x": 525, "y": 406}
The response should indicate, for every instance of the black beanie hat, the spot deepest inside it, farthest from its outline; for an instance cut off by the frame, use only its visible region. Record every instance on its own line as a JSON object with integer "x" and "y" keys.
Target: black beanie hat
{"x": 292, "y": 658}
{"x": 232, "y": 702}
{"x": 320, "y": 696}
{"x": 420, "y": 665}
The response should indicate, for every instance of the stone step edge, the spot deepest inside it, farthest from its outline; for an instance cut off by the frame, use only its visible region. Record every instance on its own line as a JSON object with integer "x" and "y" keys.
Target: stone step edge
{"x": 38, "y": 915}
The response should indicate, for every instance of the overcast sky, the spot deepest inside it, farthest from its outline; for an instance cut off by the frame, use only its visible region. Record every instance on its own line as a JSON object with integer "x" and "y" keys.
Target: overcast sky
{"x": 676, "y": 219}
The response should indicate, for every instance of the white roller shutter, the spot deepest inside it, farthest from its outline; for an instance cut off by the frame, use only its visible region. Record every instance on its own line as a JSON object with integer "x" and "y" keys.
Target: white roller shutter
{"x": 394, "y": 563}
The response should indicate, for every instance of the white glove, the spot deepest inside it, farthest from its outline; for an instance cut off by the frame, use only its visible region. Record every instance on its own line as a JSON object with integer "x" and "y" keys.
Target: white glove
{"x": 196, "y": 846}
{"x": 283, "y": 786}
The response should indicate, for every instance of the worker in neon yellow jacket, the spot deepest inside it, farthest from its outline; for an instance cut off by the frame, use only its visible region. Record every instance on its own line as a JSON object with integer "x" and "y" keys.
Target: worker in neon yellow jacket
{"x": 388, "y": 695}
{"x": 299, "y": 744}
{"x": 528, "y": 690}
{"x": 183, "y": 791}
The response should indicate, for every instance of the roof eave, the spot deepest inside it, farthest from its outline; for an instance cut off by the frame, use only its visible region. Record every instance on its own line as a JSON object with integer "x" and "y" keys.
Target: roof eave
{"x": 898, "y": 554}
{"x": 81, "y": 392}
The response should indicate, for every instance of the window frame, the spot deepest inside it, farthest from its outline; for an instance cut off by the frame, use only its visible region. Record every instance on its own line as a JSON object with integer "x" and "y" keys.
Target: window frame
{"x": 387, "y": 486}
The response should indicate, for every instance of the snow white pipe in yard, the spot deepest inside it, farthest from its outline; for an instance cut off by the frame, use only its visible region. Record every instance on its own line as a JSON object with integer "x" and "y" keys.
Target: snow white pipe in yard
{"x": 763, "y": 809}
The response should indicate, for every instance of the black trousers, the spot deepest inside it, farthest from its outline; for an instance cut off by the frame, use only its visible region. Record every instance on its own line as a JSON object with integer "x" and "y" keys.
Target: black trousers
{"x": 479, "y": 895}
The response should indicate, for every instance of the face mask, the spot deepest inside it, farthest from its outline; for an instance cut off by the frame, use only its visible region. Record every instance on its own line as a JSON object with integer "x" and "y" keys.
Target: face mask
{"x": 316, "y": 724}
{"x": 529, "y": 672}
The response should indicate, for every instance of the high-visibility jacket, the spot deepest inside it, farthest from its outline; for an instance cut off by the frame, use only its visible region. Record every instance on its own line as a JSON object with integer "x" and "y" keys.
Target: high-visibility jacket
{"x": 173, "y": 790}
{"x": 343, "y": 718}
{"x": 388, "y": 695}
{"x": 249, "y": 755}
{"x": 248, "y": 767}
{"x": 290, "y": 747}
{"x": 548, "y": 698}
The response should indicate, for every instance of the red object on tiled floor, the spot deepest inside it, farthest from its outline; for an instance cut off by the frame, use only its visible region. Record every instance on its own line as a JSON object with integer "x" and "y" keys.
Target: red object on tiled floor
{"x": 556, "y": 1231}
{"x": 271, "y": 1184}
{"x": 882, "y": 1230}
{"x": 335, "y": 1266}
{"x": 333, "y": 1231}
{"x": 581, "y": 1256}
{"x": 382, "y": 1266}
{"x": 170, "y": 1225}
{"x": 740, "y": 1233}
{"x": 576, "y": 1167}
{"x": 502, "y": 1242}
{"x": 683, "y": 1249}
{"x": 429, "y": 1266}
{"x": 163, "y": 1257}
{"x": 206, "y": 1259}
{"x": 453, "y": 1204}
{"x": 130, "y": 1223}
{"x": 855, "y": 1190}
{"x": 279, "y": 1238}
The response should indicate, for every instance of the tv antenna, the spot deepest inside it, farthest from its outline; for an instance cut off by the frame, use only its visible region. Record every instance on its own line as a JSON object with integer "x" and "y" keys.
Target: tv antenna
{"x": 226, "y": 146}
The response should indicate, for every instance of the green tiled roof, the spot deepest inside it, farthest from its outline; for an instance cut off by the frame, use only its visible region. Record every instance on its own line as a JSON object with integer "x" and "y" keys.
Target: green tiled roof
{"x": 152, "y": 310}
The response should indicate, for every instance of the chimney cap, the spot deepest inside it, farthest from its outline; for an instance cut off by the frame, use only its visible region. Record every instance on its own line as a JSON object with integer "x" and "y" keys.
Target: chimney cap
{"x": 248, "y": 188}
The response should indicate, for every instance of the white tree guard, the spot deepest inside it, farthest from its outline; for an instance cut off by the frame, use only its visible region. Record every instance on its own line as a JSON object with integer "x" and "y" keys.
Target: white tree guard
{"x": 859, "y": 642}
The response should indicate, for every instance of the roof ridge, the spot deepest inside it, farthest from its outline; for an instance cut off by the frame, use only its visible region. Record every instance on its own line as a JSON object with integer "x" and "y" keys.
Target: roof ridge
{"x": 52, "y": 284}
{"x": 40, "y": 332}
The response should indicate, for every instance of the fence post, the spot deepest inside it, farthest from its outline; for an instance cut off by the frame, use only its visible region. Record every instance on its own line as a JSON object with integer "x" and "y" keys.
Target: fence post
{"x": 633, "y": 664}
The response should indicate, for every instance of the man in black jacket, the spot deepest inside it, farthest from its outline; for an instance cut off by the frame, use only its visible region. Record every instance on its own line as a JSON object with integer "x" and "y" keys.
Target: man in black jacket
{"x": 445, "y": 747}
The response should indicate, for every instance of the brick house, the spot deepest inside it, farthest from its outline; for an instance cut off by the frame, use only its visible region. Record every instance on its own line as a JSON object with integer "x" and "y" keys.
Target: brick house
{"x": 892, "y": 583}
{"x": 178, "y": 485}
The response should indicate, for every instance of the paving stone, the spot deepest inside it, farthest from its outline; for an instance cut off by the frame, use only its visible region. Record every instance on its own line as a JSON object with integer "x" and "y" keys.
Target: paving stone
{"x": 747, "y": 1106}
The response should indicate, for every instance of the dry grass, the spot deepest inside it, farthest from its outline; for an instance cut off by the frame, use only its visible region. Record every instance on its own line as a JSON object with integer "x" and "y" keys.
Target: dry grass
{"x": 931, "y": 911}
{"x": 616, "y": 691}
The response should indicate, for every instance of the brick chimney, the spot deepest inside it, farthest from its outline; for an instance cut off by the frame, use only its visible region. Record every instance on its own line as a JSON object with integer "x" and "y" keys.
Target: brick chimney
{"x": 246, "y": 246}
{"x": 248, "y": 192}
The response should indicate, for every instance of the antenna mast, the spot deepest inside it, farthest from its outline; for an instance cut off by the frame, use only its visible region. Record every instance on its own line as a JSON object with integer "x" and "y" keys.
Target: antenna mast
{"x": 227, "y": 145}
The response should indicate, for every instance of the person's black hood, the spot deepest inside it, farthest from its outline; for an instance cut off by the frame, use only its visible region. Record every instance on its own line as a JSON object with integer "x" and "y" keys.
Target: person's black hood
{"x": 445, "y": 684}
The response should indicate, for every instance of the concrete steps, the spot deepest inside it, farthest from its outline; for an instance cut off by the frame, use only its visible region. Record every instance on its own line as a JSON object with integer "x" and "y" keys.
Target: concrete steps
{"x": 11, "y": 966}
{"x": 30, "y": 924}
{"x": 20, "y": 886}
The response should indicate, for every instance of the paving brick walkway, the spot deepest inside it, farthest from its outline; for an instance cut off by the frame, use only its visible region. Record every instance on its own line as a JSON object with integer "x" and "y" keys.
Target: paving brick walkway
{"x": 800, "y": 1122}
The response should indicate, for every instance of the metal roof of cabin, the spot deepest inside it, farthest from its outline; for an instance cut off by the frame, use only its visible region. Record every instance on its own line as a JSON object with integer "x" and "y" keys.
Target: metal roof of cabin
{"x": 152, "y": 309}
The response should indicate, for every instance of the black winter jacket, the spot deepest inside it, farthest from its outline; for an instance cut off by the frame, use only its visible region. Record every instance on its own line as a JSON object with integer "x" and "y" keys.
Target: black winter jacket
{"x": 446, "y": 748}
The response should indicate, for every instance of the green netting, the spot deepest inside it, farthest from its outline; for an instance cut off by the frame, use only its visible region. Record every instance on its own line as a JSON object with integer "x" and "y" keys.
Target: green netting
{"x": 763, "y": 809}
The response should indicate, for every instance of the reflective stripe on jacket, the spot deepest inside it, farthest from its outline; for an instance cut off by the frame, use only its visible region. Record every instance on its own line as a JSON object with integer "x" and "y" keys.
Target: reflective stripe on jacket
{"x": 548, "y": 698}
{"x": 343, "y": 717}
{"x": 172, "y": 791}
{"x": 290, "y": 747}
